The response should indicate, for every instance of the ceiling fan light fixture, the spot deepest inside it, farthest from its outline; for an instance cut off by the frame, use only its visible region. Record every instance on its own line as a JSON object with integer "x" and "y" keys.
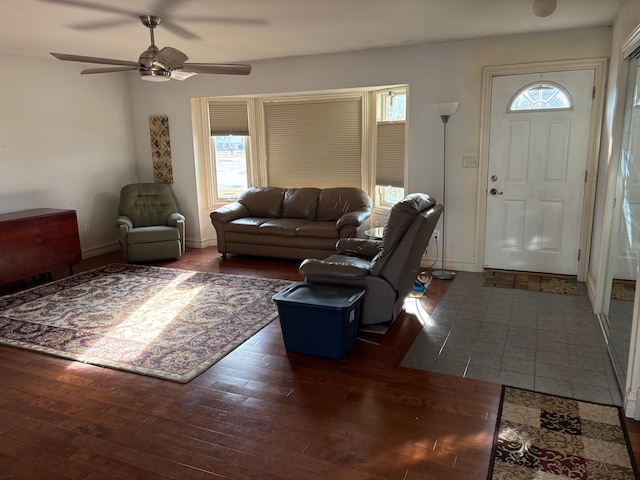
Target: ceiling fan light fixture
{"x": 155, "y": 75}
{"x": 544, "y": 8}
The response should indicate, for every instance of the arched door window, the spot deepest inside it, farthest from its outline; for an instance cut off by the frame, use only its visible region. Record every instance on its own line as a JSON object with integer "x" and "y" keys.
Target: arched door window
{"x": 541, "y": 96}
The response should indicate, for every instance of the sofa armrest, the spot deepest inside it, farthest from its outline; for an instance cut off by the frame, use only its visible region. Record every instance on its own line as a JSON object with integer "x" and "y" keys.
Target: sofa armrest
{"x": 354, "y": 218}
{"x": 312, "y": 267}
{"x": 359, "y": 247}
{"x": 228, "y": 213}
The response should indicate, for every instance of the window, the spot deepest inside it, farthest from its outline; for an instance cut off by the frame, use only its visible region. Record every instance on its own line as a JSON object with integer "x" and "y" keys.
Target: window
{"x": 230, "y": 158}
{"x": 541, "y": 96}
{"x": 327, "y": 139}
{"x": 390, "y": 147}
{"x": 229, "y": 127}
{"x": 315, "y": 140}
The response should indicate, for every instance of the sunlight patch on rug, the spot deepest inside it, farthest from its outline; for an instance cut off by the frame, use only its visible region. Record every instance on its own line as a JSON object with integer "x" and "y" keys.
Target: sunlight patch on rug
{"x": 167, "y": 323}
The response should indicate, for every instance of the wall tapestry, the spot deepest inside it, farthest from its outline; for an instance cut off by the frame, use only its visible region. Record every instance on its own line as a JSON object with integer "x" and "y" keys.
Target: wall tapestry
{"x": 161, "y": 149}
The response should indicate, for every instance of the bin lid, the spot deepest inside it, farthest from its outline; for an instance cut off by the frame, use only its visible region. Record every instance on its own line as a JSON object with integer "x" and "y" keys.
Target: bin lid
{"x": 330, "y": 296}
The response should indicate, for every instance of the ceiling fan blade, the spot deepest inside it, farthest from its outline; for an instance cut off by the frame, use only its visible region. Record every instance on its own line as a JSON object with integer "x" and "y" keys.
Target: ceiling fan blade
{"x": 92, "y": 6}
{"x": 217, "y": 68}
{"x": 104, "y": 61}
{"x": 102, "y": 24}
{"x": 227, "y": 20}
{"x": 108, "y": 70}
{"x": 169, "y": 57}
{"x": 180, "y": 75}
{"x": 178, "y": 30}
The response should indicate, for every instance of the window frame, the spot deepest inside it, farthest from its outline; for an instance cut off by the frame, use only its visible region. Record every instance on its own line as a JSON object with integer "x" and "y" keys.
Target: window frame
{"x": 538, "y": 84}
{"x": 255, "y": 144}
{"x": 379, "y": 192}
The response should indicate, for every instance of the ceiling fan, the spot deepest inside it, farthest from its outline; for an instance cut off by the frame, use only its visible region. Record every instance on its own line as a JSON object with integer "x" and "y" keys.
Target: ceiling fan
{"x": 157, "y": 64}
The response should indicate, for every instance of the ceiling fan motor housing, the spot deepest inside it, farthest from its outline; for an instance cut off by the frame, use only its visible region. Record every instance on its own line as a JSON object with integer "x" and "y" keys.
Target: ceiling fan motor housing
{"x": 148, "y": 71}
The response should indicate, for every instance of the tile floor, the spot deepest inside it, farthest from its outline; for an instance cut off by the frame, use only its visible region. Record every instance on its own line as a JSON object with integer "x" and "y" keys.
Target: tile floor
{"x": 545, "y": 342}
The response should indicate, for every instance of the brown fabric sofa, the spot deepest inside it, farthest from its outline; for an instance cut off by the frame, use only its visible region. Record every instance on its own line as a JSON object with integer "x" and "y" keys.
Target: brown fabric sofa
{"x": 293, "y": 223}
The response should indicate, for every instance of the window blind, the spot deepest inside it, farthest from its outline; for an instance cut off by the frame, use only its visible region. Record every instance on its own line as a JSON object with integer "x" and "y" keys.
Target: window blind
{"x": 390, "y": 154}
{"x": 314, "y": 143}
{"x": 228, "y": 118}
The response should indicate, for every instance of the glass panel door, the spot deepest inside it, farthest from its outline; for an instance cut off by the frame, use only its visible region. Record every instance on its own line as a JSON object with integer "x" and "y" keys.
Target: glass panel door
{"x": 625, "y": 239}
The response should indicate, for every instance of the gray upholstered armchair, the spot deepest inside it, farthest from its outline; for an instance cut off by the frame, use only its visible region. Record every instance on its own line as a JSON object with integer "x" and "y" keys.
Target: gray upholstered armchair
{"x": 387, "y": 268}
{"x": 150, "y": 226}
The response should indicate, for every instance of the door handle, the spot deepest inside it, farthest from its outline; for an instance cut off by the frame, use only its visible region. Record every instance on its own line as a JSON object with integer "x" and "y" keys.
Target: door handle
{"x": 495, "y": 192}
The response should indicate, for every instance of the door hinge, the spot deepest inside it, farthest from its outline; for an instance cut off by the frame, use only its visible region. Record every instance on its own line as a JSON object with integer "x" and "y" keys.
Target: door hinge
{"x": 578, "y": 254}
{"x": 586, "y": 175}
{"x": 593, "y": 92}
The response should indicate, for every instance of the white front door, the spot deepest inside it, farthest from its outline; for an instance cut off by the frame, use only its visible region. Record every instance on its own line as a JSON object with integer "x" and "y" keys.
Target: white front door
{"x": 536, "y": 174}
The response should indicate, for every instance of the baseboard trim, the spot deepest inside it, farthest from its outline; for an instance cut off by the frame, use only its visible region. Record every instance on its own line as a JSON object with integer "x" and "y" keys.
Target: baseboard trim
{"x": 458, "y": 265}
{"x": 207, "y": 242}
{"x": 100, "y": 249}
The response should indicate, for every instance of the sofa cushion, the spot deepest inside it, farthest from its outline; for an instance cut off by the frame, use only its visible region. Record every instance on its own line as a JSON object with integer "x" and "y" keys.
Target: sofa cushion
{"x": 335, "y": 202}
{"x": 318, "y": 229}
{"x": 245, "y": 225}
{"x": 263, "y": 201}
{"x": 281, "y": 226}
{"x": 300, "y": 203}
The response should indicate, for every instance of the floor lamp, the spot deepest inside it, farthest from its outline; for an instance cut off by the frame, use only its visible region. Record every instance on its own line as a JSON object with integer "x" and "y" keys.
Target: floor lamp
{"x": 445, "y": 110}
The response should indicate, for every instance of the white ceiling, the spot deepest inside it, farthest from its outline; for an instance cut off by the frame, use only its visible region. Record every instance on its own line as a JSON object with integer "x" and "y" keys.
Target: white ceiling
{"x": 258, "y": 29}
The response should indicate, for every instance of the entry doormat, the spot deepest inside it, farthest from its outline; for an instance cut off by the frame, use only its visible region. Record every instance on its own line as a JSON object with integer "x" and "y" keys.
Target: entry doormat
{"x": 163, "y": 322}
{"x": 623, "y": 289}
{"x": 547, "y": 437}
{"x": 535, "y": 282}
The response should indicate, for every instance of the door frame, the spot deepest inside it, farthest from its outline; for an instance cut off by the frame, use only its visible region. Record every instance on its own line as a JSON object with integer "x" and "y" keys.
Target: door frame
{"x": 599, "y": 65}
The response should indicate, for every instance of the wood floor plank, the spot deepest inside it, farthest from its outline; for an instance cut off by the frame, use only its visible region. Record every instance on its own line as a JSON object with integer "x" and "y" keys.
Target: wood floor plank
{"x": 259, "y": 413}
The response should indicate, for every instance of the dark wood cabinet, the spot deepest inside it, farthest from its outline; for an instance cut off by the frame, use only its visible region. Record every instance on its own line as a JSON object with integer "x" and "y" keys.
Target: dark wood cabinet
{"x": 37, "y": 241}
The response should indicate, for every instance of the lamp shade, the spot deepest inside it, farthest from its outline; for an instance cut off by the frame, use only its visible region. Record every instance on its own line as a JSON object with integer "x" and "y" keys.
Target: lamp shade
{"x": 544, "y": 8}
{"x": 445, "y": 109}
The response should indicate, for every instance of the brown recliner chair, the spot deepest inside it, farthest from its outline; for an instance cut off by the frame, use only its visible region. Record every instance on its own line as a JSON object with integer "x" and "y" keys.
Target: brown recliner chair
{"x": 387, "y": 269}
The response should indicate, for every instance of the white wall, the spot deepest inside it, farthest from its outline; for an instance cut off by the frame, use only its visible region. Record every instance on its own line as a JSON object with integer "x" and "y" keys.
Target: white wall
{"x": 435, "y": 72}
{"x": 65, "y": 142}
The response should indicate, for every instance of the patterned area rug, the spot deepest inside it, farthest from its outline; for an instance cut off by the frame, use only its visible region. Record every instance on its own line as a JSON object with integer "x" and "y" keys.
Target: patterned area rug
{"x": 563, "y": 284}
{"x": 546, "y": 437}
{"x": 167, "y": 323}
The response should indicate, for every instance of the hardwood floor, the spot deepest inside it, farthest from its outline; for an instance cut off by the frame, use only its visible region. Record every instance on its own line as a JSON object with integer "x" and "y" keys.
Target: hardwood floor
{"x": 259, "y": 413}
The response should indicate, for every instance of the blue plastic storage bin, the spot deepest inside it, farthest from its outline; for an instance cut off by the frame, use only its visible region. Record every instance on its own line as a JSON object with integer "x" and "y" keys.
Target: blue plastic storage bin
{"x": 320, "y": 320}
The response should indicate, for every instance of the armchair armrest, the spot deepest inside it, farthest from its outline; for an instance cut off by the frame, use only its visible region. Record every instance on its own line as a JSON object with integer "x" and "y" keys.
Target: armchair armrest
{"x": 175, "y": 218}
{"x": 359, "y": 247}
{"x": 125, "y": 223}
{"x": 312, "y": 267}
{"x": 229, "y": 212}
{"x": 355, "y": 218}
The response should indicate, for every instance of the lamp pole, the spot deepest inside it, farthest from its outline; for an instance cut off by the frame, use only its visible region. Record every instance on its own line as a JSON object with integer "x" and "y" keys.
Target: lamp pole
{"x": 445, "y": 110}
